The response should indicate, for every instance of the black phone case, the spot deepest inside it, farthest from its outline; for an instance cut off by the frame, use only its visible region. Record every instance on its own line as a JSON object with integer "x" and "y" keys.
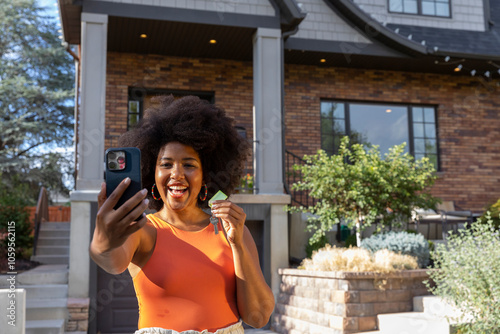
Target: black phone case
{"x": 132, "y": 170}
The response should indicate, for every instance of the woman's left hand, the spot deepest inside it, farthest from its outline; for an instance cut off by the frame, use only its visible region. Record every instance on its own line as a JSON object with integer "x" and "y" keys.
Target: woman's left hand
{"x": 233, "y": 220}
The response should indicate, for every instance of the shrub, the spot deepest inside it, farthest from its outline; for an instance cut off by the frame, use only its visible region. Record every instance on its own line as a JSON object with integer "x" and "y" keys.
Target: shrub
{"x": 13, "y": 208}
{"x": 494, "y": 214}
{"x": 468, "y": 276}
{"x": 400, "y": 242}
{"x": 360, "y": 187}
{"x": 358, "y": 259}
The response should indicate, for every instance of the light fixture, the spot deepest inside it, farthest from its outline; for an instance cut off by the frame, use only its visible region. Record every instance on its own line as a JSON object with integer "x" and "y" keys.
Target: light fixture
{"x": 143, "y": 36}
{"x": 487, "y": 74}
{"x": 213, "y": 41}
{"x": 323, "y": 60}
{"x": 388, "y": 110}
{"x": 458, "y": 68}
{"x": 473, "y": 72}
{"x": 447, "y": 59}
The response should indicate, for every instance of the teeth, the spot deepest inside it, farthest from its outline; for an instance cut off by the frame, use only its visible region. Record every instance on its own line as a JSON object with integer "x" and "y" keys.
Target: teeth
{"x": 178, "y": 187}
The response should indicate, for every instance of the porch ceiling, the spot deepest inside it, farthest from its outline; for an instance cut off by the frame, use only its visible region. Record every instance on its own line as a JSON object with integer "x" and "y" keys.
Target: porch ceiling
{"x": 179, "y": 39}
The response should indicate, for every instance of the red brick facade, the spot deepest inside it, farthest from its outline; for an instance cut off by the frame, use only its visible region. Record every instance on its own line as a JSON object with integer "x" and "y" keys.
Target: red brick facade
{"x": 467, "y": 109}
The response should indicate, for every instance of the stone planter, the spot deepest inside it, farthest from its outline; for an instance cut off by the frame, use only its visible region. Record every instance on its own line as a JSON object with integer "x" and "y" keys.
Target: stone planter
{"x": 317, "y": 302}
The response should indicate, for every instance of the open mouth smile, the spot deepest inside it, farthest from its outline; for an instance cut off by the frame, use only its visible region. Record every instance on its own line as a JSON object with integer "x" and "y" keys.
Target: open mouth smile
{"x": 177, "y": 191}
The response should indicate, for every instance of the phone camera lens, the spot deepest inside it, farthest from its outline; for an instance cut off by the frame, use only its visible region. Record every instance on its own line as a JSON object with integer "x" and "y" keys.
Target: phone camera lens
{"x": 121, "y": 160}
{"x": 112, "y": 165}
{"x": 111, "y": 156}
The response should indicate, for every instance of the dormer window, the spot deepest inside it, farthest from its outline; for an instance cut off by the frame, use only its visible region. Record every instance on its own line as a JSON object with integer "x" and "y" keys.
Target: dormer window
{"x": 440, "y": 8}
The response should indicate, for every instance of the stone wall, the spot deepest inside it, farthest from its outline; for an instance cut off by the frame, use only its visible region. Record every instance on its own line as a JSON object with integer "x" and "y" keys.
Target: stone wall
{"x": 78, "y": 315}
{"x": 313, "y": 302}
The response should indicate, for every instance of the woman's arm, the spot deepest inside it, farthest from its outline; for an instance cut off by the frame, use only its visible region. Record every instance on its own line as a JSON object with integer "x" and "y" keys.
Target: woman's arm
{"x": 117, "y": 236}
{"x": 254, "y": 297}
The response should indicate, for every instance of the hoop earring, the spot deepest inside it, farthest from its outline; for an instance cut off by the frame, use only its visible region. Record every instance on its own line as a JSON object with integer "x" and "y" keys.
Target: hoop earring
{"x": 153, "y": 192}
{"x": 205, "y": 195}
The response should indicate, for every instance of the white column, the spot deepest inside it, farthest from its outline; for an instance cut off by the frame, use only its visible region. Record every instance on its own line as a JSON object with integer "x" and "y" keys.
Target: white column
{"x": 93, "y": 97}
{"x": 267, "y": 118}
{"x": 90, "y": 149}
{"x": 279, "y": 244}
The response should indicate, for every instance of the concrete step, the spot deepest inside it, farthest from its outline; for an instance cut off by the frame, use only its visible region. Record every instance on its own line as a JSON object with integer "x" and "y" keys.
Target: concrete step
{"x": 435, "y": 306}
{"x": 413, "y": 323}
{"x": 55, "y": 326}
{"x": 48, "y": 291}
{"x": 52, "y": 241}
{"x": 55, "y": 225}
{"x": 46, "y": 309}
{"x": 52, "y": 250}
{"x": 53, "y": 232}
{"x": 51, "y": 259}
{"x": 44, "y": 274}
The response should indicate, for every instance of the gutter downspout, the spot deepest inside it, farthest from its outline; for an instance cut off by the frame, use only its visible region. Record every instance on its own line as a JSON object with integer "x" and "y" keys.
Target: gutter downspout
{"x": 76, "y": 59}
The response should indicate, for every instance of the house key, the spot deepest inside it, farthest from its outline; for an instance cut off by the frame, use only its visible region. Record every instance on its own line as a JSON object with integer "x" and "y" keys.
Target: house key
{"x": 214, "y": 220}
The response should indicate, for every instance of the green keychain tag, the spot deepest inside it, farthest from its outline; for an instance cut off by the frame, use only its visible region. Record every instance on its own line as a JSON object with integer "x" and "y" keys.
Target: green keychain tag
{"x": 218, "y": 196}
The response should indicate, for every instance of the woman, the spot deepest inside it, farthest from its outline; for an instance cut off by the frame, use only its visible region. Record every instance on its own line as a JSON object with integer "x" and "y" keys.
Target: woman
{"x": 187, "y": 276}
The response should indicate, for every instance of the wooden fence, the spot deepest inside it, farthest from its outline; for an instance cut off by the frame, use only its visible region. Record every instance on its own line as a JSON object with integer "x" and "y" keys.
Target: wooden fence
{"x": 56, "y": 213}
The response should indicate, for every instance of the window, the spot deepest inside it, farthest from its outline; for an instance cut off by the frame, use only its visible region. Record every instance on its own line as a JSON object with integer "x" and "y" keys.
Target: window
{"x": 139, "y": 99}
{"x": 385, "y": 125}
{"x": 439, "y": 8}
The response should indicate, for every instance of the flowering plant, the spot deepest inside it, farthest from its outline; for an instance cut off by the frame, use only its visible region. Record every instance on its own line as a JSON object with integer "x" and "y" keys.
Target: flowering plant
{"x": 246, "y": 182}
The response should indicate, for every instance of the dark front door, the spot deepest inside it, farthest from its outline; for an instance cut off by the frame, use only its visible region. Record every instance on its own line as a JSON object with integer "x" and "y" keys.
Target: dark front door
{"x": 115, "y": 303}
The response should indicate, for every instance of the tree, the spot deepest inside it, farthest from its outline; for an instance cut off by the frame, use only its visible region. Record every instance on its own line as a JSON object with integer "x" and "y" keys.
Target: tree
{"x": 360, "y": 187}
{"x": 36, "y": 90}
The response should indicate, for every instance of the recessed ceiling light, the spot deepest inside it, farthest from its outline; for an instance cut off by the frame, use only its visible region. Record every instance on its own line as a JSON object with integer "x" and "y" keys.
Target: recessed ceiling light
{"x": 144, "y": 36}
{"x": 213, "y": 41}
{"x": 458, "y": 68}
{"x": 323, "y": 60}
{"x": 388, "y": 110}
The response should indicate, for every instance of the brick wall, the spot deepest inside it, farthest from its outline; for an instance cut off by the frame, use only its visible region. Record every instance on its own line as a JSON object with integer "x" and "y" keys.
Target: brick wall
{"x": 467, "y": 109}
{"x": 313, "y": 302}
{"x": 467, "y": 114}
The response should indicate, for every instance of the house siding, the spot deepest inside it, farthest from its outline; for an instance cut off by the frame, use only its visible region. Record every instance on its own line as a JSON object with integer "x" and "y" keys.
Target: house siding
{"x": 465, "y": 15}
{"x": 322, "y": 23}
{"x": 467, "y": 109}
{"x": 252, "y": 7}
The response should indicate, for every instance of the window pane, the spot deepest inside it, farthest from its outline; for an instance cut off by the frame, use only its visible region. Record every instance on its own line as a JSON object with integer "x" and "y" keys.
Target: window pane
{"x": 133, "y": 119}
{"x": 327, "y": 126}
{"x": 428, "y": 8}
{"x": 430, "y": 130}
{"x": 419, "y": 156}
{"x": 326, "y": 109}
{"x": 339, "y": 110}
{"x": 410, "y": 6}
{"x": 327, "y": 143}
{"x": 430, "y": 146}
{"x": 418, "y": 115}
{"x": 133, "y": 107}
{"x": 339, "y": 127}
{"x": 433, "y": 159}
{"x": 374, "y": 125}
{"x": 396, "y": 6}
{"x": 418, "y": 130}
{"x": 419, "y": 146}
{"x": 429, "y": 115}
{"x": 442, "y": 9}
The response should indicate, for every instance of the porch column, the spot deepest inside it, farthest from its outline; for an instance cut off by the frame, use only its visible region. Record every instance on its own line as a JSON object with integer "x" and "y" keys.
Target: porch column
{"x": 267, "y": 116}
{"x": 90, "y": 149}
{"x": 93, "y": 98}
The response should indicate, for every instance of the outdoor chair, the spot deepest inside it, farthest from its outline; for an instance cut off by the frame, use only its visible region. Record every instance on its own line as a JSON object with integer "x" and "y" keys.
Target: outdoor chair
{"x": 441, "y": 222}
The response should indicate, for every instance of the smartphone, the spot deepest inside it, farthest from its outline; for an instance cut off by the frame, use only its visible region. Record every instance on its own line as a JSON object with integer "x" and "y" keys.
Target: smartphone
{"x": 120, "y": 163}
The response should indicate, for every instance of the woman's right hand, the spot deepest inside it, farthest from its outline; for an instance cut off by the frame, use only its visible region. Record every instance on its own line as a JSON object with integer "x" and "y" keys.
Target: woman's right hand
{"x": 113, "y": 227}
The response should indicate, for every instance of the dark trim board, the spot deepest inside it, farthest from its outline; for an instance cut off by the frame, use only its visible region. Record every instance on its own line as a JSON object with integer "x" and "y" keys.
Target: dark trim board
{"x": 181, "y": 15}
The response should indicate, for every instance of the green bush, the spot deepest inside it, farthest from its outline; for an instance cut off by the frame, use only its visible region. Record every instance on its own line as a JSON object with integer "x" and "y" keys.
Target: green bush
{"x": 360, "y": 187}
{"x": 468, "y": 276}
{"x": 13, "y": 208}
{"x": 400, "y": 242}
{"x": 494, "y": 214}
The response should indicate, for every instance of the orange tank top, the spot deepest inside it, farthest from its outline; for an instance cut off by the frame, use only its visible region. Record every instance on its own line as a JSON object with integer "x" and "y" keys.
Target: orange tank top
{"x": 189, "y": 281}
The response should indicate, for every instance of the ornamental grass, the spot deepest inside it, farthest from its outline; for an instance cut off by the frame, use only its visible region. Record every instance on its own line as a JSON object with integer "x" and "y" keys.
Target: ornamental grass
{"x": 356, "y": 259}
